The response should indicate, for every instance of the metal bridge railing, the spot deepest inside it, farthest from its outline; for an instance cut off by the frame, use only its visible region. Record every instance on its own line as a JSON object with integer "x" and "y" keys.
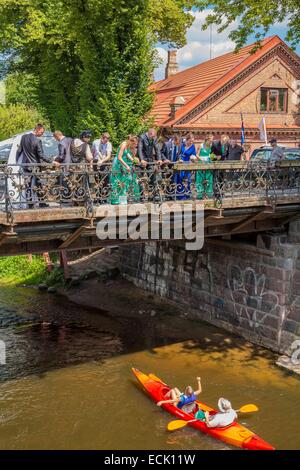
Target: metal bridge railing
{"x": 35, "y": 186}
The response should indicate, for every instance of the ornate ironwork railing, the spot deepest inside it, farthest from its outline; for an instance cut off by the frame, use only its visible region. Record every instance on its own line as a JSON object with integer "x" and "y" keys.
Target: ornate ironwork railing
{"x": 34, "y": 186}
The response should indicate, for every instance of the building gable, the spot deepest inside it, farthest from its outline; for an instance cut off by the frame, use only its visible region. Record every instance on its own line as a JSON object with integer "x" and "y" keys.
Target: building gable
{"x": 278, "y": 53}
{"x": 245, "y": 97}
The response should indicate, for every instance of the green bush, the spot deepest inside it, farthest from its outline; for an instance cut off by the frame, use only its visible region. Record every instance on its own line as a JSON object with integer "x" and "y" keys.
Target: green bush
{"x": 55, "y": 278}
{"x": 18, "y": 269}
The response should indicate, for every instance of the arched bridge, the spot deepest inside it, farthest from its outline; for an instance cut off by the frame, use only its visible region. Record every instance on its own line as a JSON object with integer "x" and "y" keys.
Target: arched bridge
{"x": 44, "y": 209}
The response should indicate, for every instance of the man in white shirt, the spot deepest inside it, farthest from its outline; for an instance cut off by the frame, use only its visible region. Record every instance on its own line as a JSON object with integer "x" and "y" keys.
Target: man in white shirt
{"x": 226, "y": 417}
{"x": 102, "y": 149}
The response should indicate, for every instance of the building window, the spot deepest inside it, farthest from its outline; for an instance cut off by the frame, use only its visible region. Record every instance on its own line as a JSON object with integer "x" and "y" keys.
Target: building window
{"x": 273, "y": 100}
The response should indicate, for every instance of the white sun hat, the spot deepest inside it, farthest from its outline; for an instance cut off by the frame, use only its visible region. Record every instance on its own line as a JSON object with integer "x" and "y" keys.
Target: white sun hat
{"x": 224, "y": 405}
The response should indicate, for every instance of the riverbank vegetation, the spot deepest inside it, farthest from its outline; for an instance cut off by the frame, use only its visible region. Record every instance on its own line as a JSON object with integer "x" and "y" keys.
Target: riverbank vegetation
{"x": 29, "y": 271}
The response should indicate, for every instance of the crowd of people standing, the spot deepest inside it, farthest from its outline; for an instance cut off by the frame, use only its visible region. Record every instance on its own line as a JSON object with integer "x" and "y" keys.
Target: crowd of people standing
{"x": 132, "y": 154}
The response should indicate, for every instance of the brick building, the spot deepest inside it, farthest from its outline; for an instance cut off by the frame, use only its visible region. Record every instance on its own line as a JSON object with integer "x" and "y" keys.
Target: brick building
{"x": 210, "y": 97}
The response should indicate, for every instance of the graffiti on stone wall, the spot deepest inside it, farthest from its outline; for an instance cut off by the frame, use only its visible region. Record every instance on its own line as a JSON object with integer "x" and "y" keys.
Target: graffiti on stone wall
{"x": 252, "y": 301}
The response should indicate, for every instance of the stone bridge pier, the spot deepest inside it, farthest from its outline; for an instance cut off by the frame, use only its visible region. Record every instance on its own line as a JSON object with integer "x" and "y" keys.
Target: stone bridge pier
{"x": 251, "y": 288}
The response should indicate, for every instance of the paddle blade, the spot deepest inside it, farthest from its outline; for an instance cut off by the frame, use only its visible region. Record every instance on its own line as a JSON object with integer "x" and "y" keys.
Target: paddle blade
{"x": 177, "y": 424}
{"x": 248, "y": 409}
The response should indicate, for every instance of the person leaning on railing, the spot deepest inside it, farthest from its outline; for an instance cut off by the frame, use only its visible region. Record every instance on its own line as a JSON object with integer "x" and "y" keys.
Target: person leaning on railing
{"x": 236, "y": 151}
{"x": 102, "y": 150}
{"x": 188, "y": 153}
{"x": 220, "y": 148}
{"x": 65, "y": 155}
{"x": 81, "y": 150}
{"x": 123, "y": 179}
{"x": 171, "y": 149}
{"x": 64, "y": 160}
{"x": 151, "y": 158}
{"x": 149, "y": 149}
{"x": 102, "y": 156}
{"x": 30, "y": 156}
{"x": 204, "y": 178}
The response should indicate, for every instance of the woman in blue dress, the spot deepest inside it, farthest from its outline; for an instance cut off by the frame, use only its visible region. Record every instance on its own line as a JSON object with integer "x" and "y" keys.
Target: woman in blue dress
{"x": 188, "y": 153}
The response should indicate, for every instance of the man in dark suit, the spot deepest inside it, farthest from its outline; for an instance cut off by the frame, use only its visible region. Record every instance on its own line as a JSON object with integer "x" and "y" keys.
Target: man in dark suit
{"x": 30, "y": 156}
{"x": 64, "y": 150}
{"x": 171, "y": 149}
{"x": 149, "y": 149}
{"x": 30, "y": 150}
{"x": 149, "y": 152}
{"x": 64, "y": 158}
{"x": 220, "y": 148}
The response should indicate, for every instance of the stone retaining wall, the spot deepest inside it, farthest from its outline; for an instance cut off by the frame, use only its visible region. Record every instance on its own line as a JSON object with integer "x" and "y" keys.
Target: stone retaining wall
{"x": 253, "y": 291}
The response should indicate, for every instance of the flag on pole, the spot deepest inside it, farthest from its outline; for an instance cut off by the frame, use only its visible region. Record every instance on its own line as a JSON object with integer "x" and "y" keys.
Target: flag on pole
{"x": 263, "y": 130}
{"x": 243, "y": 137}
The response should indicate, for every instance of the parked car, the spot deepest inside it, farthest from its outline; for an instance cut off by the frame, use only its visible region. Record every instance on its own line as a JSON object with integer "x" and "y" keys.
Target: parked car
{"x": 5, "y": 148}
{"x": 8, "y": 153}
{"x": 264, "y": 153}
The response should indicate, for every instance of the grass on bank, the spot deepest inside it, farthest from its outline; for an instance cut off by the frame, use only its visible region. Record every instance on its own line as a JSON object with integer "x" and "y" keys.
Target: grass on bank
{"x": 23, "y": 270}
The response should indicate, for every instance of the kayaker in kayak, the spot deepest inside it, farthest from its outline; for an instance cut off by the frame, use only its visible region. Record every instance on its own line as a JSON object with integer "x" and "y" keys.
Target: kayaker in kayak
{"x": 226, "y": 417}
{"x": 184, "y": 401}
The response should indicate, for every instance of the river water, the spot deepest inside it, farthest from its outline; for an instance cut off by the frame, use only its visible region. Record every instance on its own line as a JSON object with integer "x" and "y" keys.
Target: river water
{"x": 67, "y": 382}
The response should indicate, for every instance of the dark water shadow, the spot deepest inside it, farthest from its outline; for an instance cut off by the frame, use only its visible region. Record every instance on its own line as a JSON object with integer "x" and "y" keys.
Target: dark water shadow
{"x": 56, "y": 333}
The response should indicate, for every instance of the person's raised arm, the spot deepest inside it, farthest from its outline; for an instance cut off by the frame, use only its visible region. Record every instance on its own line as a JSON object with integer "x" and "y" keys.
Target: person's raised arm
{"x": 199, "y": 387}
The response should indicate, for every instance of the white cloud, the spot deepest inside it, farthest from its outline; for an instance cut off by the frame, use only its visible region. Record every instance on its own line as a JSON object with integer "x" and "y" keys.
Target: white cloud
{"x": 198, "y": 45}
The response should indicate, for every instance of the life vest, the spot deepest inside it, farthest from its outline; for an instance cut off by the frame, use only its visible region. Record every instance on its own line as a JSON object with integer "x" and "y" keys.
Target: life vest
{"x": 184, "y": 400}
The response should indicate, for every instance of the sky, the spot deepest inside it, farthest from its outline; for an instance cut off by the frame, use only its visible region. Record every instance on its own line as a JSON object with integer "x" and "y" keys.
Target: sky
{"x": 198, "y": 44}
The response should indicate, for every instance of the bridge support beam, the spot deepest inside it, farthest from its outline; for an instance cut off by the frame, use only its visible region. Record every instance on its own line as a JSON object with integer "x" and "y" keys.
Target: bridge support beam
{"x": 64, "y": 263}
{"x": 73, "y": 237}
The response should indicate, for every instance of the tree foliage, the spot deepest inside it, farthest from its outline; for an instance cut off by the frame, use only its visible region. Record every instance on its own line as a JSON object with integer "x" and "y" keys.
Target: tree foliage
{"x": 254, "y": 18}
{"x": 90, "y": 60}
{"x": 16, "y": 118}
{"x": 21, "y": 88}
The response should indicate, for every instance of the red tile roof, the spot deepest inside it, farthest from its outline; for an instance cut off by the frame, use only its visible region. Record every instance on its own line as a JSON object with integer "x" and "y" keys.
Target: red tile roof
{"x": 197, "y": 83}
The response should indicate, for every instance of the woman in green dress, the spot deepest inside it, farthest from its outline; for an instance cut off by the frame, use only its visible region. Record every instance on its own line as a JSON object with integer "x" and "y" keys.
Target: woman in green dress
{"x": 204, "y": 178}
{"x": 124, "y": 183}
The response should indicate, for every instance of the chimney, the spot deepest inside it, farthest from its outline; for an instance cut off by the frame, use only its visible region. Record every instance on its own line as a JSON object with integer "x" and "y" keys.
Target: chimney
{"x": 176, "y": 103}
{"x": 172, "y": 66}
